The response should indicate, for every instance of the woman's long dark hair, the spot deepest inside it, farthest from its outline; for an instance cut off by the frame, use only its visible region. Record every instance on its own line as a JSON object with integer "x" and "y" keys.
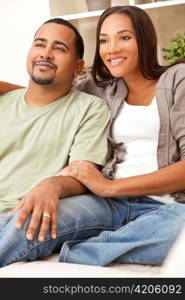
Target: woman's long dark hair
{"x": 146, "y": 40}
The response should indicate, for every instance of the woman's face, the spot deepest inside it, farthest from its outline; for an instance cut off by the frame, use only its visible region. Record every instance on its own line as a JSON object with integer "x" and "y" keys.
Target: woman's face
{"x": 118, "y": 46}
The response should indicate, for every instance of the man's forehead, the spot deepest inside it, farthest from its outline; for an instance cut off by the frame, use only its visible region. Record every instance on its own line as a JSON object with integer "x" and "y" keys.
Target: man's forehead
{"x": 56, "y": 31}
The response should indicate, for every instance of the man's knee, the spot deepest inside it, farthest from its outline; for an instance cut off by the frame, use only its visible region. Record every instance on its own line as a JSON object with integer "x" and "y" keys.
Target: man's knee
{"x": 9, "y": 227}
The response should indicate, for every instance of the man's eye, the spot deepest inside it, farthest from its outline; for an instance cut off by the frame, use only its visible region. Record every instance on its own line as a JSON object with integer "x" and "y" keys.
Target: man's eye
{"x": 39, "y": 45}
{"x": 60, "y": 49}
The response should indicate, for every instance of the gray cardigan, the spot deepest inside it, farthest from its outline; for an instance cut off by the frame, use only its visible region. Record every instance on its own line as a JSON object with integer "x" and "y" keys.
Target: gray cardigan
{"x": 171, "y": 106}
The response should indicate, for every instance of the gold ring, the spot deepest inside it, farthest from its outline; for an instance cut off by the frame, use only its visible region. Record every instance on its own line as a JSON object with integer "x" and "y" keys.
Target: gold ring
{"x": 45, "y": 214}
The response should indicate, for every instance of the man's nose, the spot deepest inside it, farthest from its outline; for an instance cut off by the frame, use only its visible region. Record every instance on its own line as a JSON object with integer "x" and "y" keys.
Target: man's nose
{"x": 46, "y": 53}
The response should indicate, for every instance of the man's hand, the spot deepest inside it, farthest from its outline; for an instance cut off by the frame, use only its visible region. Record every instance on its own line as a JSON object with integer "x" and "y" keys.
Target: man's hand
{"x": 42, "y": 202}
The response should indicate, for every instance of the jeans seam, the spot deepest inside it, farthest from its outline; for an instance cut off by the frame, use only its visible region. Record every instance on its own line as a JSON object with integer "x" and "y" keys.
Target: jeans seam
{"x": 87, "y": 228}
{"x": 36, "y": 244}
{"x": 64, "y": 250}
{"x": 147, "y": 214}
{"x": 128, "y": 214}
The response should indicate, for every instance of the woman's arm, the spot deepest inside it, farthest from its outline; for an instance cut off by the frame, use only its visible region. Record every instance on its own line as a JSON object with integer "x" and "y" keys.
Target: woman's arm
{"x": 6, "y": 87}
{"x": 166, "y": 180}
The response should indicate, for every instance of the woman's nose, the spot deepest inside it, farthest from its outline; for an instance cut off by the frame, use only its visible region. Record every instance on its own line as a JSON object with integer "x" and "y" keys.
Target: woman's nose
{"x": 113, "y": 47}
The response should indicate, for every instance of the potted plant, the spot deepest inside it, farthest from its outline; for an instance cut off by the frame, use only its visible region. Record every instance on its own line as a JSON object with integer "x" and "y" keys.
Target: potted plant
{"x": 176, "y": 49}
{"x": 98, "y": 4}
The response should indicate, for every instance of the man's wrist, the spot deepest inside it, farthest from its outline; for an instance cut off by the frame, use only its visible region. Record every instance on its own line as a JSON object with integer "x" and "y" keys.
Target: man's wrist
{"x": 55, "y": 183}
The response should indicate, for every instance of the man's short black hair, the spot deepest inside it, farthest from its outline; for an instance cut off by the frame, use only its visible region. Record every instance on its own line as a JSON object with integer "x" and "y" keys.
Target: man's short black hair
{"x": 79, "y": 44}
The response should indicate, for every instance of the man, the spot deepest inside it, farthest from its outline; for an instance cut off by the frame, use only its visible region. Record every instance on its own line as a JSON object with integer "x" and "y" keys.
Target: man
{"x": 43, "y": 129}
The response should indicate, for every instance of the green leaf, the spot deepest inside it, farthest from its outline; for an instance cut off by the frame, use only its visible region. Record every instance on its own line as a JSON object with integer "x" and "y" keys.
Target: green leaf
{"x": 176, "y": 49}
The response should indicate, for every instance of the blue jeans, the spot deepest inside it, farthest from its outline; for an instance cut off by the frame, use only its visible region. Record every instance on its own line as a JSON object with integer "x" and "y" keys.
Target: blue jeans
{"x": 97, "y": 231}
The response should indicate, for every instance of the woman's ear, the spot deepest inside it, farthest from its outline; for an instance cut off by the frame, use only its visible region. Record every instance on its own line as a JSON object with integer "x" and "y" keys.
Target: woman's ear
{"x": 79, "y": 67}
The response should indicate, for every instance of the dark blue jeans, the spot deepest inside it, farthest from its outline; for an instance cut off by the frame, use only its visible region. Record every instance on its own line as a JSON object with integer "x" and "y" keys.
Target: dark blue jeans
{"x": 96, "y": 231}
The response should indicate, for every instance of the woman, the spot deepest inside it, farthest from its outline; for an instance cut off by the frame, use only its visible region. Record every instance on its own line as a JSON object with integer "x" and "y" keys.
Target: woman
{"x": 147, "y": 104}
{"x": 134, "y": 213}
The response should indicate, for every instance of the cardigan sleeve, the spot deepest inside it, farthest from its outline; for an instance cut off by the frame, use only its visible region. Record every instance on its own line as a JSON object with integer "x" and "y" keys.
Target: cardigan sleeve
{"x": 177, "y": 111}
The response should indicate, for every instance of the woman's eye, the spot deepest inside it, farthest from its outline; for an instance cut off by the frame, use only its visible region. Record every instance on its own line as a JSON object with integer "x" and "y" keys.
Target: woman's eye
{"x": 125, "y": 37}
{"x": 102, "y": 41}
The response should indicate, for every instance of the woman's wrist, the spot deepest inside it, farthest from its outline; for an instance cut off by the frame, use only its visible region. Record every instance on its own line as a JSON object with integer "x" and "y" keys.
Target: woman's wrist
{"x": 106, "y": 188}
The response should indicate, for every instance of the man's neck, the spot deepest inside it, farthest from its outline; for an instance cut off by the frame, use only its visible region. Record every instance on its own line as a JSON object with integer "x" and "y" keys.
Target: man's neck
{"x": 41, "y": 95}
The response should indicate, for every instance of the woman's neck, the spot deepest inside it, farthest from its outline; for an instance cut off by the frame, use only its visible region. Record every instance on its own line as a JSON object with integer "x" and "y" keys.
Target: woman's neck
{"x": 141, "y": 90}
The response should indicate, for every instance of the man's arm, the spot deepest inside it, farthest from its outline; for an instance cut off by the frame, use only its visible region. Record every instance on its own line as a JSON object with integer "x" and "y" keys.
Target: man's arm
{"x": 90, "y": 144}
{"x": 7, "y": 87}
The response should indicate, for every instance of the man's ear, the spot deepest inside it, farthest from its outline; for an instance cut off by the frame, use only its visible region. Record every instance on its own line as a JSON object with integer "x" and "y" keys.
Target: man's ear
{"x": 79, "y": 67}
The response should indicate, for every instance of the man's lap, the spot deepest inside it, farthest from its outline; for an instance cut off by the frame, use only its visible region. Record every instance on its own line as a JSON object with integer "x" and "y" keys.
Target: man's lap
{"x": 79, "y": 217}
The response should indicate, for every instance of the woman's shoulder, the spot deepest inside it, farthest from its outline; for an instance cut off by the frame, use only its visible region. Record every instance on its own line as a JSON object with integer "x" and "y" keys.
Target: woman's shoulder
{"x": 171, "y": 77}
{"x": 174, "y": 73}
{"x": 107, "y": 90}
{"x": 177, "y": 68}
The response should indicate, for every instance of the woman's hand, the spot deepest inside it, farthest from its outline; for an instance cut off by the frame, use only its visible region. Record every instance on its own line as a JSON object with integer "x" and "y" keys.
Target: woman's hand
{"x": 88, "y": 174}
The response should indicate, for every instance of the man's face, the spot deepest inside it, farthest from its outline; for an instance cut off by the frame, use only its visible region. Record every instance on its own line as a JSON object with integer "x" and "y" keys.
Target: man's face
{"x": 52, "y": 59}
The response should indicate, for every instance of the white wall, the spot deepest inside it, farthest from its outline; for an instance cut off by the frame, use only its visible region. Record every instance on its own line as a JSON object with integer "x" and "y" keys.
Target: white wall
{"x": 19, "y": 19}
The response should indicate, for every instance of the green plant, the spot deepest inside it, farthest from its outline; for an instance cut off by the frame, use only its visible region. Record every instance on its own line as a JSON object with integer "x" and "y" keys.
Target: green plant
{"x": 176, "y": 50}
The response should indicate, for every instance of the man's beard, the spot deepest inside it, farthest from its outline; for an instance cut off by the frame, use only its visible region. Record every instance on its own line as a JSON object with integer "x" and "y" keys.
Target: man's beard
{"x": 41, "y": 81}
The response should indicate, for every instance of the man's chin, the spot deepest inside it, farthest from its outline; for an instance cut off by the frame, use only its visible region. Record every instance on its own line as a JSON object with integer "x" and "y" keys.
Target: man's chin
{"x": 42, "y": 81}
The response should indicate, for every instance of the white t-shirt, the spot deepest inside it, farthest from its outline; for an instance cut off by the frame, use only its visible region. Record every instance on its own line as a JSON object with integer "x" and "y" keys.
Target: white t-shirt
{"x": 138, "y": 128}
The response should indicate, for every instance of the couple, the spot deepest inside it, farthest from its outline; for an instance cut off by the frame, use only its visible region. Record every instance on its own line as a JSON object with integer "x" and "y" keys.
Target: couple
{"x": 63, "y": 188}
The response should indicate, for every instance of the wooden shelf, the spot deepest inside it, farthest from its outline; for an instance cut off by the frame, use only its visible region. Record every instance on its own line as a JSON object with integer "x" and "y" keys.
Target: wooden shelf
{"x": 160, "y": 4}
{"x": 83, "y": 15}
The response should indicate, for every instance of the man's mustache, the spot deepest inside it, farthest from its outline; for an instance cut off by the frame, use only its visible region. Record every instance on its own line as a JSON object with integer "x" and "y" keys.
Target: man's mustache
{"x": 45, "y": 63}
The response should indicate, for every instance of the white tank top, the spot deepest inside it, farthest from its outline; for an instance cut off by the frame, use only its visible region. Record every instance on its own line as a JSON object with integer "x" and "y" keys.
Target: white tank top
{"x": 138, "y": 128}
